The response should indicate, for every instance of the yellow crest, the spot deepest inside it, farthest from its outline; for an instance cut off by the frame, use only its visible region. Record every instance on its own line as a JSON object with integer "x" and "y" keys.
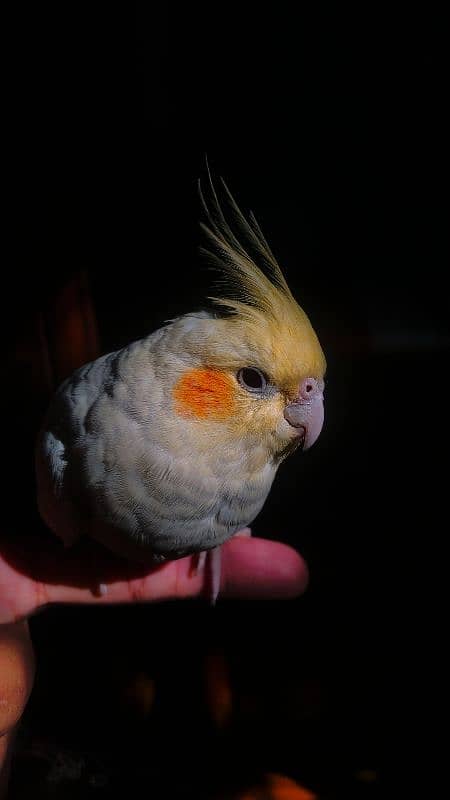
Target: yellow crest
{"x": 256, "y": 294}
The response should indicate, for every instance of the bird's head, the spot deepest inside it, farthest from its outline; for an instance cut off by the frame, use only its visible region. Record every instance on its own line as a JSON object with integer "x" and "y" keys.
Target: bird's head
{"x": 255, "y": 366}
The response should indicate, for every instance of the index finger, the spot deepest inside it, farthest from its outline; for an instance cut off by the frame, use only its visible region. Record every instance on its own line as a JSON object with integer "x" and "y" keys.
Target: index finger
{"x": 254, "y": 568}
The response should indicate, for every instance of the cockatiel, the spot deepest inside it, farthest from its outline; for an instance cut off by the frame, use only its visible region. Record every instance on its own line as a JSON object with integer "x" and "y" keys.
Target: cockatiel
{"x": 169, "y": 446}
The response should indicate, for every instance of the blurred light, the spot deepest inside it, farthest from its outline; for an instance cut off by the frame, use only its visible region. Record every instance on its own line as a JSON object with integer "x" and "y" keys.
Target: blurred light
{"x": 366, "y": 775}
{"x": 218, "y": 688}
{"x": 277, "y": 787}
{"x": 140, "y": 694}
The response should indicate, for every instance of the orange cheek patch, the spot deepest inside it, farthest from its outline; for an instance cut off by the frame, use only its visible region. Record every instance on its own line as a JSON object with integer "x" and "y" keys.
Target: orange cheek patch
{"x": 205, "y": 393}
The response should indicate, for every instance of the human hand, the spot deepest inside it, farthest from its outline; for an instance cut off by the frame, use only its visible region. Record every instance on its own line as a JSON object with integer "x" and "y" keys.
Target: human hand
{"x": 39, "y": 571}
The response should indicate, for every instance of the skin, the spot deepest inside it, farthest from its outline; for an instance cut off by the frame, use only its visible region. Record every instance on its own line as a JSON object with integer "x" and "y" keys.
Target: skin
{"x": 37, "y": 574}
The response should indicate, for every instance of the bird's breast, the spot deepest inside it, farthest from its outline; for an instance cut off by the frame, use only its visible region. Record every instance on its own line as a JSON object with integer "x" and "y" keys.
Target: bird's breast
{"x": 188, "y": 511}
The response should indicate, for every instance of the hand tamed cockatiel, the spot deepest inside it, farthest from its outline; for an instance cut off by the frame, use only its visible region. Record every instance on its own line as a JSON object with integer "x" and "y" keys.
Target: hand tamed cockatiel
{"x": 169, "y": 446}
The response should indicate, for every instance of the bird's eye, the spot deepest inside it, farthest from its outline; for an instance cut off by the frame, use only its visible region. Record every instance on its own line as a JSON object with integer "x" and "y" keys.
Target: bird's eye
{"x": 252, "y": 379}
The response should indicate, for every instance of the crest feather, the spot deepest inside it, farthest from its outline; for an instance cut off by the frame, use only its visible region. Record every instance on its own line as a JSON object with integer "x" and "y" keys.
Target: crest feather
{"x": 251, "y": 276}
{"x": 266, "y": 324}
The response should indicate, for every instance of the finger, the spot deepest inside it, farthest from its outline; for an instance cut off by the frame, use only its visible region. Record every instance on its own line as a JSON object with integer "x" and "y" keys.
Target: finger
{"x": 262, "y": 568}
{"x": 16, "y": 674}
{"x": 251, "y": 568}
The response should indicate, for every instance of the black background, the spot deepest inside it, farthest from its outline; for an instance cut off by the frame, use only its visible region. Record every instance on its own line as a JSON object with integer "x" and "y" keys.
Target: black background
{"x": 329, "y": 125}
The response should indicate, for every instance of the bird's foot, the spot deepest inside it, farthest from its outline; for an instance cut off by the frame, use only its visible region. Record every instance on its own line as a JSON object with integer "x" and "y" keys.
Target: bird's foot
{"x": 213, "y": 559}
{"x": 199, "y": 562}
{"x": 244, "y": 532}
{"x": 100, "y": 590}
{"x": 215, "y": 570}
{"x": 209, "y": 562}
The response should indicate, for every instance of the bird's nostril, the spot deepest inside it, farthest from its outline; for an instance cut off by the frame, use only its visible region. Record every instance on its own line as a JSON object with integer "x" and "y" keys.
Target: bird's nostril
{"x": 309, "y": 388}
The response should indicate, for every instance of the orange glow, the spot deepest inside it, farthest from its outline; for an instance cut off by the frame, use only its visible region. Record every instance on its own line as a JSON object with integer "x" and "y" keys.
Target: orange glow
{"x": 278, "y": 787}
{"x": 205, "y": 393}
{"x": 218, "y": 688}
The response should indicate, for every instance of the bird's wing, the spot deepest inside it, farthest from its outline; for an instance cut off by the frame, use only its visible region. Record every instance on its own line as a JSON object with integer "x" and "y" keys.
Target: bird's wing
{"x": 55, "y": 455}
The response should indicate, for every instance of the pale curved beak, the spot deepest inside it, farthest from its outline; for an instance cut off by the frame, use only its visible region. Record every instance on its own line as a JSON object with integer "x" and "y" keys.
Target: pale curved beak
{"x": 306, "y": 412}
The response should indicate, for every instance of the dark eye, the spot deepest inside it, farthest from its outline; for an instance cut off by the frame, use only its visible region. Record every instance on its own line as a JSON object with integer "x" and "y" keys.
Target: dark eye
{"x": 252, "y": 379}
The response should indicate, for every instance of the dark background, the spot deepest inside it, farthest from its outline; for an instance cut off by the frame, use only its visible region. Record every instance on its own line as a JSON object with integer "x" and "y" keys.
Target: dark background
{"x": 329, "y": 125}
